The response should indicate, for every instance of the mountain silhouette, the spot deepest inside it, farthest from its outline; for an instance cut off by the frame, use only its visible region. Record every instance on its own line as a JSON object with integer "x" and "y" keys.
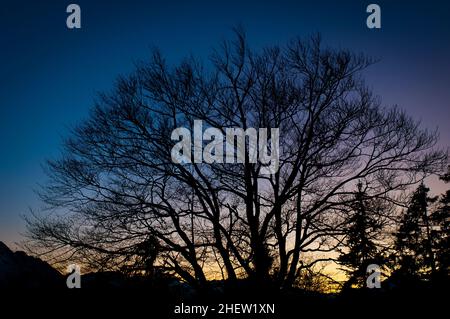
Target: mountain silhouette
{"x": 18, "y": 270}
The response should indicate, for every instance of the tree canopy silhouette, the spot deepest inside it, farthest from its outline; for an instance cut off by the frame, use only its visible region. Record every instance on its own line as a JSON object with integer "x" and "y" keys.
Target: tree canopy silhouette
{"x": 115, "y": 186}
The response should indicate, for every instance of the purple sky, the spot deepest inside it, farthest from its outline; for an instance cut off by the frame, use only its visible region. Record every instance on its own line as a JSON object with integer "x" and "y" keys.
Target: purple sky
{"x": 50, "y": 75}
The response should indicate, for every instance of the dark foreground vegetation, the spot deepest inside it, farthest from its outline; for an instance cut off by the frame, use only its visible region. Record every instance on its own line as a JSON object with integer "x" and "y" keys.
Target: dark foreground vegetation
{"x": 44, "y": 290}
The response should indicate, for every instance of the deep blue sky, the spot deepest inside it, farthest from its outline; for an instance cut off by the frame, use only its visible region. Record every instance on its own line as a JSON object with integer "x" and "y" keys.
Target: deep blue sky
{"x": 49, "y": 75}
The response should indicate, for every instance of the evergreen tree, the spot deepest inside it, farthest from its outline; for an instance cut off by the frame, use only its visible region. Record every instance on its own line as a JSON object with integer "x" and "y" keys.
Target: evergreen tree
{"x": 441, "y": 232}
{"x": 414, "y": 237}
{"x": 363, "y": 228}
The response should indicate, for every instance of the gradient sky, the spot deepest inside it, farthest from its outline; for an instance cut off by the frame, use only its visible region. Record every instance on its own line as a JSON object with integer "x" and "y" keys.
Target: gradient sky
{"x": 49, "y": 75}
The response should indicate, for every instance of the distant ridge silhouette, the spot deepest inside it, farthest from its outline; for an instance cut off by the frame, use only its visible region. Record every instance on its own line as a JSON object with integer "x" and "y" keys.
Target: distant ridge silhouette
{"x": 18, "y": 270}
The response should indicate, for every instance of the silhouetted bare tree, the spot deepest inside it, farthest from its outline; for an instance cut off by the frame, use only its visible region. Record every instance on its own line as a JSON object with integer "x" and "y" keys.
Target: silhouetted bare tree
{"x": 116, "y": 184}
